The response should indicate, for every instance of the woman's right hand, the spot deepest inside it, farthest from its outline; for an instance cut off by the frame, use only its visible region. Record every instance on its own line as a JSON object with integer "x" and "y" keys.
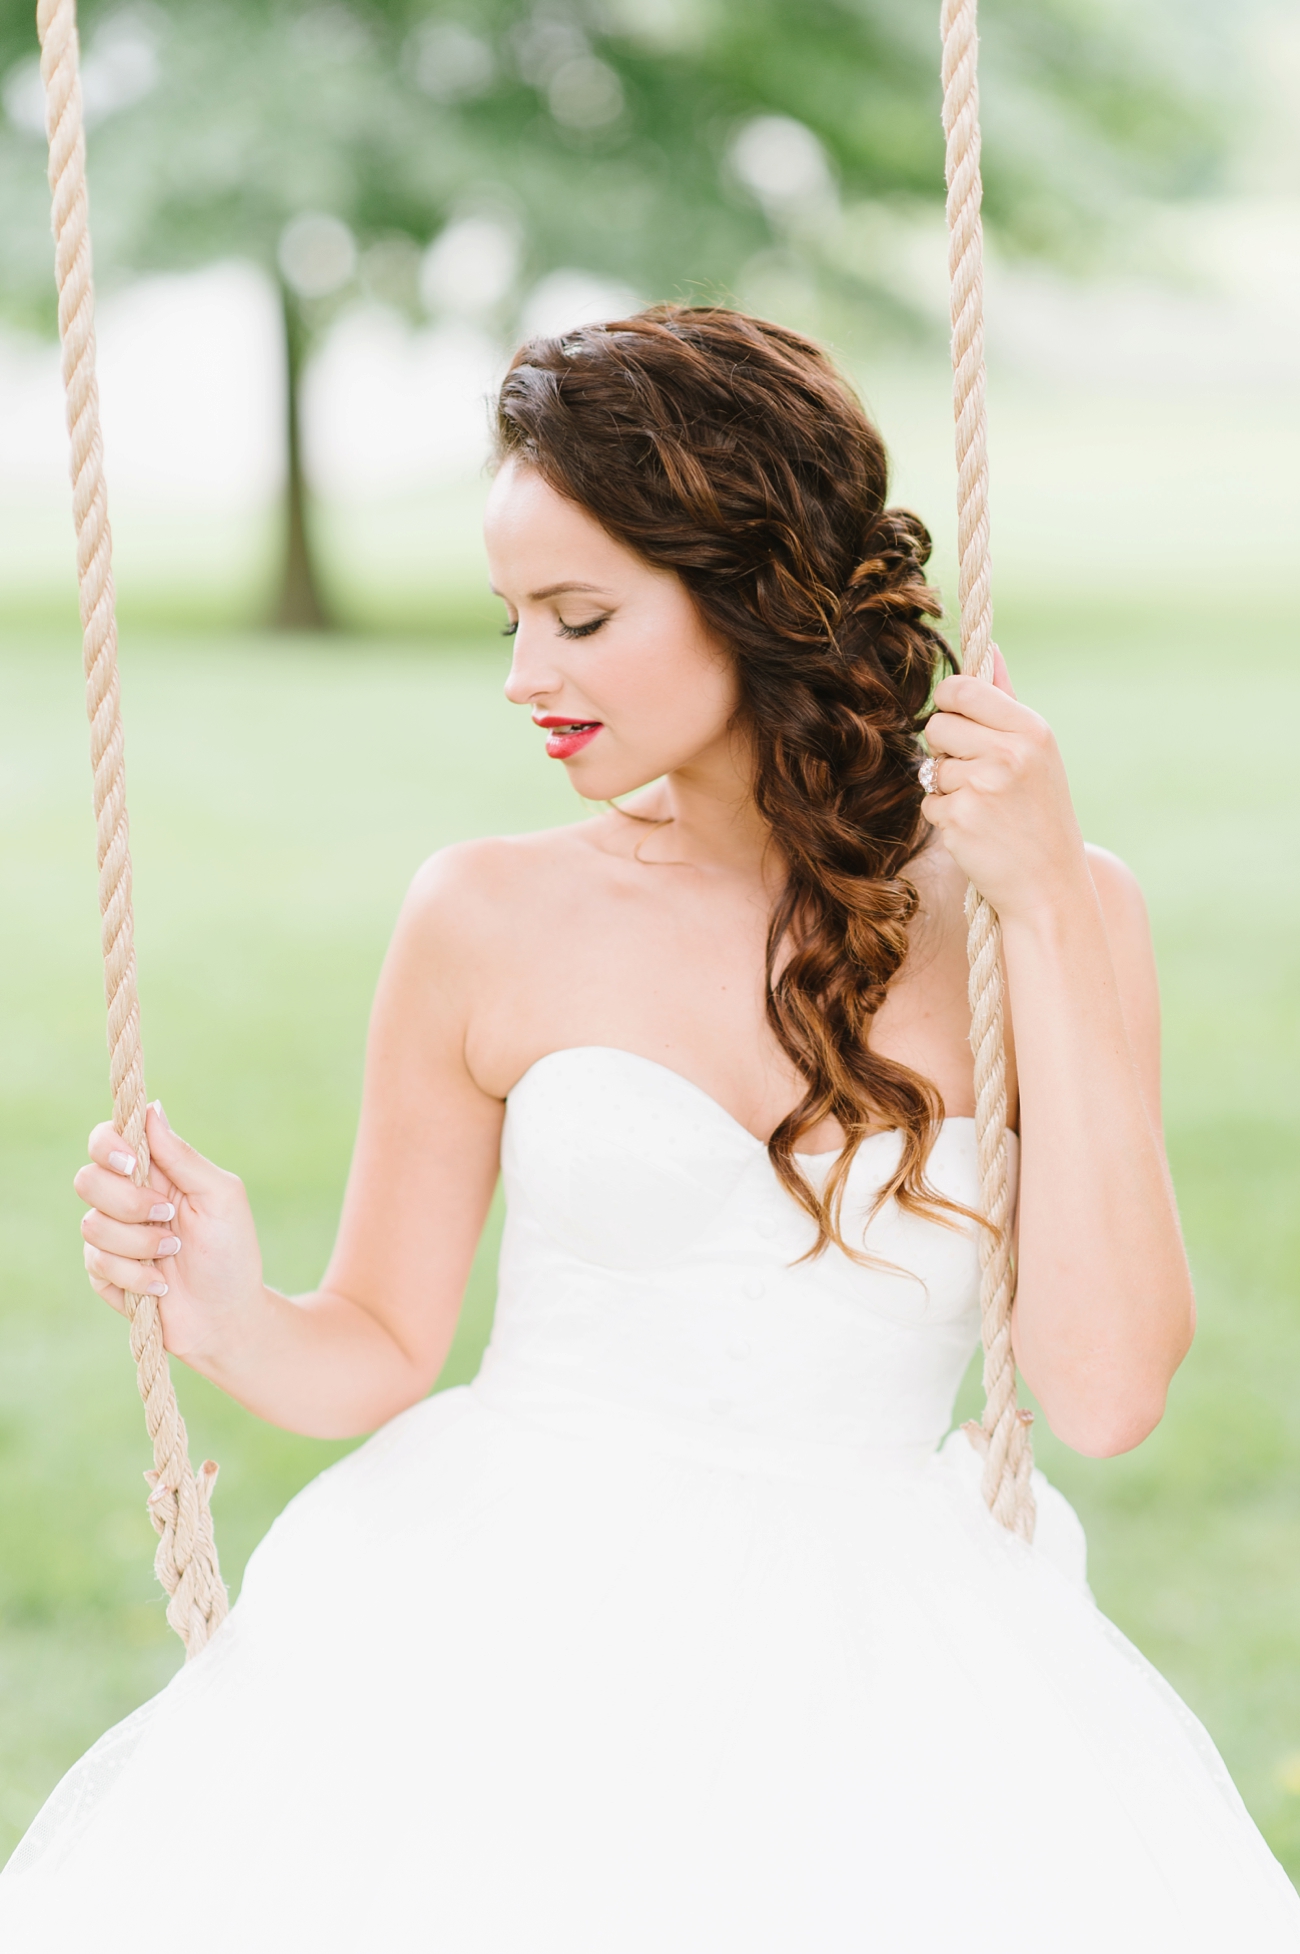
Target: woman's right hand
{"x": 186, "y": 1237}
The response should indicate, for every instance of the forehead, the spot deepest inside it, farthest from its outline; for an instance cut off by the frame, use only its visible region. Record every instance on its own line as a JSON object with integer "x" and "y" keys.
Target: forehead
{"x": 520, "y": 496}
{"x": 536, "y": 535}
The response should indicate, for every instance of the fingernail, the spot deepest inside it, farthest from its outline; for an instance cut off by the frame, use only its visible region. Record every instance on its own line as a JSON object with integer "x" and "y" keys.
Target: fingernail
{"x": 161, "y": 1211}
{"x": 122, "y": 1163}
{"x": 156, "y": 1289}
{"x": 158, "y": 1108}
{"x": 169, "y": 1245}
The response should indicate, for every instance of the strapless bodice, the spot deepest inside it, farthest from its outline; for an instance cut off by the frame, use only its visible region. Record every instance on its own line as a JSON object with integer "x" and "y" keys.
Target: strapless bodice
{"x": 651, "y": 1264}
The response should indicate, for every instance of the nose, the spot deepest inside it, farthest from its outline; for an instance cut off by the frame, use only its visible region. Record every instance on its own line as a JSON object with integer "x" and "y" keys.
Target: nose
{"x": 532, "y": 667}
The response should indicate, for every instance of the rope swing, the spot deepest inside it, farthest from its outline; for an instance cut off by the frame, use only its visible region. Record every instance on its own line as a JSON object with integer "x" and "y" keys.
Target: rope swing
{"x": 1003, "y": 1432}
{"x": 180, "y": 1500}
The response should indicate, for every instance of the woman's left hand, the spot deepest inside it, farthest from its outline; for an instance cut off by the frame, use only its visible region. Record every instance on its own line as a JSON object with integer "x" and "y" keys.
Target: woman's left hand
{"x": 1002, "y": 804}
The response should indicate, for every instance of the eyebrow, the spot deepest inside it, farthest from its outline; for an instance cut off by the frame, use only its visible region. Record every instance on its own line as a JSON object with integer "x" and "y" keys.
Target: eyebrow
{"x": 560, "y": 589}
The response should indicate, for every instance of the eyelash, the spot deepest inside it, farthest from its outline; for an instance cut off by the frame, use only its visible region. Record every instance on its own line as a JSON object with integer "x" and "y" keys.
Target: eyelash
{"x": 566, "y": 630}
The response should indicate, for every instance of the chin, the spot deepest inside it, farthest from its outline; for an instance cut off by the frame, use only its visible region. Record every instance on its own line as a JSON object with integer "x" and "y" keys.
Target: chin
{"x": 602, "y": 780}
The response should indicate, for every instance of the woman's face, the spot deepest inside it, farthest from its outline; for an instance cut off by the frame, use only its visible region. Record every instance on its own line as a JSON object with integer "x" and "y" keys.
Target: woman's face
{"x": 610, "y": 654}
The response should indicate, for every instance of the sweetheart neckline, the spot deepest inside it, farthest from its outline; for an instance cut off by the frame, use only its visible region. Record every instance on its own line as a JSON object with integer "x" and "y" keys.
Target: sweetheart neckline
{"x": 621, "y": 1051}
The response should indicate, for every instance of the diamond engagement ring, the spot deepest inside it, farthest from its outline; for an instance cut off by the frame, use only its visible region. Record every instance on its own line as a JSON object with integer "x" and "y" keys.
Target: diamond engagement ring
{"x": 926, "y": 774}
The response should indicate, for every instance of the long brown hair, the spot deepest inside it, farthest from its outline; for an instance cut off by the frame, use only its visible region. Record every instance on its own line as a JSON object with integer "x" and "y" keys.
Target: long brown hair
{"x": 729, "y": 450}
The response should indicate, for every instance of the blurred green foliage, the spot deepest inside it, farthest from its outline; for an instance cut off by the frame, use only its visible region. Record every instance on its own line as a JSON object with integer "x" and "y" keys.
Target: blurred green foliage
{"x": 666, "y": 144}
{"x": 606, "y": 126}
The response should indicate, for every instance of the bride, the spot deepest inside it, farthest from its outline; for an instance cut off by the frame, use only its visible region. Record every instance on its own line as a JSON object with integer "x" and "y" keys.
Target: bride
{"x": 682, "y": 1630}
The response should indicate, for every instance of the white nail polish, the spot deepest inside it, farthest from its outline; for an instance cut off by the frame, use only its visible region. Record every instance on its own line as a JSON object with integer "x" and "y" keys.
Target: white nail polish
{"x": 156, "y": 1289}
{"x": 162, "y": 1211}
{"x": 122, "y": 1163}
{"x": 169, "y": 1245}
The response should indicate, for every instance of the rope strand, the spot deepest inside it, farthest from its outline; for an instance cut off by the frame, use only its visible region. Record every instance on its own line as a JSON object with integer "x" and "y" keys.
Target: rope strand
{"x": 179, "y": 1503}
{"x": 1002, "y": 1434}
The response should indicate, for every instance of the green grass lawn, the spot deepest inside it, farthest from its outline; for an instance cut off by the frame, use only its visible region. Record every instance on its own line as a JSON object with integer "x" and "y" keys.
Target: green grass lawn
{"x": 282, "y": 793}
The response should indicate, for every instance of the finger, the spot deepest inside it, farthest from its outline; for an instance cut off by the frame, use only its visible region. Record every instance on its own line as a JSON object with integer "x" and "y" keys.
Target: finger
{"x": 1001, "y": 676}
{"x": 138, "y": 1277}
{"x": 110, "y": 1293}
{"x": 112, "y": 1194}
{"x": 949, "y": 776}
{"x": 183, "y": 1166}
{"x": 944, "y": 811}
{"x": 108, "y": 1149}
{"x": 975, "y": 698}
{"x": 952, "y": 733}
{"x": 119, "y": 1238}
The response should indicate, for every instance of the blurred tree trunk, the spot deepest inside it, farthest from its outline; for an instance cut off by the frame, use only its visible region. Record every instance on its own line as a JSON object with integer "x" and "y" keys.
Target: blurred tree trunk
{"x": 299, "y": 606}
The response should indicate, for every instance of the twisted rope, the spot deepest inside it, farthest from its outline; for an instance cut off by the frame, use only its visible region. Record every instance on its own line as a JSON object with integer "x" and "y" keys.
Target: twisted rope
{"x": 1002, "y": 1434}
{"x": 179, "y": 1503}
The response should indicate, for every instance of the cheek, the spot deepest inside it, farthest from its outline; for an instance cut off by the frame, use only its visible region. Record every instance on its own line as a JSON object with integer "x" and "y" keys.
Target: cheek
{"x": 681, "y": 698}
{"x": 663, "y": 704}
{"x": 686, "y": 673}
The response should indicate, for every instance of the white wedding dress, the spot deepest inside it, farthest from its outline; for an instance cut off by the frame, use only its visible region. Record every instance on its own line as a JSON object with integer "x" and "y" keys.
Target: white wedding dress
{"x": 680, "y": 1631}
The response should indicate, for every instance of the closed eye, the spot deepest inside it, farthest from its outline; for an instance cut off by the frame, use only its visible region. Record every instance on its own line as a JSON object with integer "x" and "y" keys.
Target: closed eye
{"x": 582, "y": 630}
{"x": 508, "y": 630}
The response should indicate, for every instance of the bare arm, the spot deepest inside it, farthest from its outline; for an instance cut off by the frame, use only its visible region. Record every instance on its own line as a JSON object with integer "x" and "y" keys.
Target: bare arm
{"x": 372, "y": 1339}
{"x": 1104, "y": 1310}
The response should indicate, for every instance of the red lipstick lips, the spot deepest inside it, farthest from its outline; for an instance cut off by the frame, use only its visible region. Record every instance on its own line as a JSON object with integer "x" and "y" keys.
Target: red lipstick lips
{"x": 568, "y": 736}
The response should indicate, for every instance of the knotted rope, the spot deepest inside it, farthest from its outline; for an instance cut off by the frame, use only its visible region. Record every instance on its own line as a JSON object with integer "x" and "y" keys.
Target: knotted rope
{"x": 1002, "y": 1434}
{"x": 179, "y": 1503}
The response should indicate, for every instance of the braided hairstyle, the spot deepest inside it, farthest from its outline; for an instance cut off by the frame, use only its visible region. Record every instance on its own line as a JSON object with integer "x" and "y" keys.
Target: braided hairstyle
{"x": 730, "y": 451}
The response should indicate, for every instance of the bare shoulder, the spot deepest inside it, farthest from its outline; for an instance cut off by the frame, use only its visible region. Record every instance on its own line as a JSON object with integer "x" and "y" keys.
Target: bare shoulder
{"x": 475, "y": 913}
{"x": 934, "y": 873}
{"x": 1120, "y": 894}
{"x": 470, "y": 885}
{"x": 941, "y": 886}
{"x": 1128, "y": 933}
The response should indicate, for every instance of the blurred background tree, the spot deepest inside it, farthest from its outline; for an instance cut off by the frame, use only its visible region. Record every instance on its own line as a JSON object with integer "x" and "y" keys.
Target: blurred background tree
{"x": 454, "y": 155}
